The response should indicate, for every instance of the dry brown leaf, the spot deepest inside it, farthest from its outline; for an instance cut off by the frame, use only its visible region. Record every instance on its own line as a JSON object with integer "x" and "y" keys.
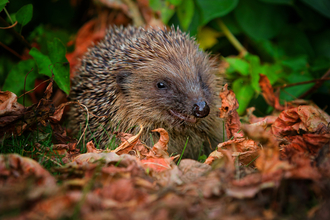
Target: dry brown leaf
{"x": 49, "y": 90}
{"x": 303, "y": 168}
{"x": 57, "y": 116}
{"x": 268, "y": 120}
{"x": 92, "y": 157}
{"x": 127, "y": 144}
{"x": 305, "y": 128}
{"x": 91, "y": 148}
{"x": 306, "y": 118}
{"x": 158, "y": 164}
{"x": 159, "y": 150}
{"x": 228, "y": 112}
{"x": 192, "y": 169}
{"x": 269, "y": 161}
{"x": 16, "y": 167}
{"x": 10, "y": 109}
{"x": 270, "y": 97}
{"x": 246, "y": 150}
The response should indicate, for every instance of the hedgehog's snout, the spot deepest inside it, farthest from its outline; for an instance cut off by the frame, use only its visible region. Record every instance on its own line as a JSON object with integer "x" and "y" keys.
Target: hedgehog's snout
{"x": 201, "y": 109}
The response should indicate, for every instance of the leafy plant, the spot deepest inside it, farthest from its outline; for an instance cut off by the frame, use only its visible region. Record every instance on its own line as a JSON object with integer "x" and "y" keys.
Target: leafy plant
{"x": 50, "y": 62}
{"x": 283, "y": 39}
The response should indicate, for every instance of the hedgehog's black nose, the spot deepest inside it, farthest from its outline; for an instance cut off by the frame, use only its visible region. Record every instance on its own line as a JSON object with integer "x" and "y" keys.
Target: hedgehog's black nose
{"x": 201, "y": 109}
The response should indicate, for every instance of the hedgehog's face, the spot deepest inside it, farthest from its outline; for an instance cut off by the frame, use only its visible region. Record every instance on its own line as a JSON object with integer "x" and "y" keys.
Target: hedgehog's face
{"x": 178, "y": 92}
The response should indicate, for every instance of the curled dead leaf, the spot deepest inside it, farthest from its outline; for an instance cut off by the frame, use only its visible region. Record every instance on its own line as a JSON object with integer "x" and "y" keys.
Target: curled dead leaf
{"x": 10, "y": 109}
{"x": 160, "y": 148}
{"x": 305, "y": 128}
{"x": 228, "y": 112}
{"x": 245, "y": 149}
{"x": 270, "y": 97}
{"x": 128, "y": 144}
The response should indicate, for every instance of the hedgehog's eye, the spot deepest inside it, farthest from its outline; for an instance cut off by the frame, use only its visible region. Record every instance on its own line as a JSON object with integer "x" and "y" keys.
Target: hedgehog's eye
{"x": 161, "y": 85}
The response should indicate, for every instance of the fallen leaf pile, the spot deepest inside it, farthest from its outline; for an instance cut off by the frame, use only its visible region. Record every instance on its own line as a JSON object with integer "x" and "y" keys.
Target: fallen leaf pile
{"x": 268, "y": 169}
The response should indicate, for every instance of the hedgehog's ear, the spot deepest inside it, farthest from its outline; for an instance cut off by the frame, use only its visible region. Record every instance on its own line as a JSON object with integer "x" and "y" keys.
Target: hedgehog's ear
{"x": 122, "y": 78}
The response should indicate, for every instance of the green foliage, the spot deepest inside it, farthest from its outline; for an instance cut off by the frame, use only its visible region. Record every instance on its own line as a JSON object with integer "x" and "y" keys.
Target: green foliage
{"x": 185, "y": 13}
{"x": 15, "y": 79}
{"x": 25, "y": 146}
{"x": 24, "y": 15}
{"x": 50, "y": 61}
{"x": 286, "y": 40}
{"x": 260, "y": 20}
{"x": 3, "y": 4}
{"x": 215, "y": 8}
{"x": 55, "y": 63}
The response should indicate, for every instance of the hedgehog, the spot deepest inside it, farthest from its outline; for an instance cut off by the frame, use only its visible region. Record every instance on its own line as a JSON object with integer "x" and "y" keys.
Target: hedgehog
{"x": 155, "y": 78}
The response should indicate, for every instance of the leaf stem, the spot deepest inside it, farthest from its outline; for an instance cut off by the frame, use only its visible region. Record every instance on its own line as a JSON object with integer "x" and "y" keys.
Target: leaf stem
{"x": 8, "y": 15}
{"x": 17, "y": 35}
{"x": 317, "y": 85}
{"x": 302, "y": 83}
{"x": 11, "y": 51}
{"x": 232, "y": 39}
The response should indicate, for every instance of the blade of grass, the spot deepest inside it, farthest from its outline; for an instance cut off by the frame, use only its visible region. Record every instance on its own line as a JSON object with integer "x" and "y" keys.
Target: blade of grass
{"x": 183, "y": 151}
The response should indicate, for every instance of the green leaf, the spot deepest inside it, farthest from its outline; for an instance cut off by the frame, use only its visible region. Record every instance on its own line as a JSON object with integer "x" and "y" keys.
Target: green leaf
{"x": 195, "y": 22}
{"x": 15, "y": 79}
{"x": 322, "y": 6}
{"x": 295, "y": 42}
{"x": 155, "y": 4}
{"x": 260, "y": 20}
{"x": 55, "y": 62}
{"x": 166, "y": 13}
{"x": 297, "y": 63}
{"x": 255, "y": 70}
{"x": 244, "y": 93}
{"x": 273, "y": 72}
{"x": 175, "y": 2}
{"x": 43, "y": 62}
{"x": 61, "y": 66}
{"x": 185, "y": 13}
{"x": 24, "y": 15}
{"x": 215, "y": 8}
{"x": 239, "y": 65}
{"x": 267, "y": 48}
{"x": 3, "y": 4}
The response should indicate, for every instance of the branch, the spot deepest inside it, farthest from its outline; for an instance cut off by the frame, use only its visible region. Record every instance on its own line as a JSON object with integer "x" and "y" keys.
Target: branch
{"x": 11, "y": 50}
{"x": 17, "y": 35}
{"x": 232, "y": 39}
{"x": 317, "y": 85}
{"x": 301, "y": 83}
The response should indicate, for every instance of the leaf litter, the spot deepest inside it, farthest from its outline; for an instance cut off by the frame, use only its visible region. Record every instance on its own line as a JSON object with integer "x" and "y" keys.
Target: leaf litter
{"x": 267, "y": 167}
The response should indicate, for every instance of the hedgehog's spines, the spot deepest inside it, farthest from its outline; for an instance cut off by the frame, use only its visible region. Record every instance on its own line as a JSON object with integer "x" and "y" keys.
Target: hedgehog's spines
{"x": 149, "y": 56}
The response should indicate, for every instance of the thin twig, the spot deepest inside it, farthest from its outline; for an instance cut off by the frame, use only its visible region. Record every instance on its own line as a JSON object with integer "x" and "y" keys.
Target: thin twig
{"x": 11, "y": 26}
{"x": 26, "y": 75}
{"x": 316, "y": 86}
{"x": 11, "y": 50}
{"x": 232, "y": 39}
{"x": 33, "y": 88}
{"x": 16, "y": 35}
{"x": 301, "y": 83}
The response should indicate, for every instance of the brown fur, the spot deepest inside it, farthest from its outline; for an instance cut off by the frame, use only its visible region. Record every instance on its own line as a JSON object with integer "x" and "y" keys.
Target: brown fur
{"x": 118, "y": 77}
